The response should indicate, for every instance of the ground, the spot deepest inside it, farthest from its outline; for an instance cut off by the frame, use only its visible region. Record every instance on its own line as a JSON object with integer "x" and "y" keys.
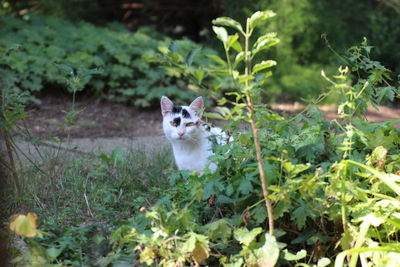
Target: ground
{"x": 104, "y": 119}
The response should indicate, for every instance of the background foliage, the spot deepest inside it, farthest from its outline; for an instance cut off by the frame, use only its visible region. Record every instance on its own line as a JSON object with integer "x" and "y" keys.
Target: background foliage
{"x": 300, "y": 24}
{"x": 42, "y": 50}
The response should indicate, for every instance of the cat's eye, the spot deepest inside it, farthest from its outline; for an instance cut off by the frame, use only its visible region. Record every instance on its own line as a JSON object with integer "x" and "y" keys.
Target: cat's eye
{"x": 190, "y": 124}
{"x": 173, "y": 123}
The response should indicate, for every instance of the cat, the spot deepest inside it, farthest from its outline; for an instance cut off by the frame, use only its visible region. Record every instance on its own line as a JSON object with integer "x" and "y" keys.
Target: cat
{"x": 189, "y": 137}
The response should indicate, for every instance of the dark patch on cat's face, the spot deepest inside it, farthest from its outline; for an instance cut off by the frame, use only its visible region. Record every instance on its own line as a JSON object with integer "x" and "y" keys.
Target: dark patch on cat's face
{"x": 185, "y": 114}
{"x": 176, "y": 109}
{"x": 179, "y": 110}
{"x": 177, "y": 121}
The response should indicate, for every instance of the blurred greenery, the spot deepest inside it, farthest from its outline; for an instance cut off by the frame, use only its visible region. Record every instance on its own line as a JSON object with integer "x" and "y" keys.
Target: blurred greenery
{"x": 303, "y": 25}
{"x": 312, "y": 34}
{"x": 42, "y": 52}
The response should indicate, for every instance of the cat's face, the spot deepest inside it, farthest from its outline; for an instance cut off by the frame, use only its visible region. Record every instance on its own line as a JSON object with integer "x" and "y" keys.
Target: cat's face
{"x": 181, "y": 123}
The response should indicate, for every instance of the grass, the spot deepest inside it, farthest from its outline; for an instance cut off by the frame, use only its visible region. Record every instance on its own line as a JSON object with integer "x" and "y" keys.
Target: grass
{"x": 67, "y": 189}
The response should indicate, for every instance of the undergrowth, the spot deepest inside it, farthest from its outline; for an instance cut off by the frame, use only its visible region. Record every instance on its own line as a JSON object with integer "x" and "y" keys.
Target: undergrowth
{"x": 333, "y": 185}
{"x": 36, "y": 48}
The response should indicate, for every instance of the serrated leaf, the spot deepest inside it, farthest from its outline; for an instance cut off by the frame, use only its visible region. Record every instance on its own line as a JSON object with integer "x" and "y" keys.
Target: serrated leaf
{"x": 245, "y": 186}
{"x": 263, "y": 65}
{"x": 218, "y": 229}
{"x": 300, "y": 215}
{"x": 245, "y": 236}
{"x": 226, "y": 21}
{"x": 259, "y": 17}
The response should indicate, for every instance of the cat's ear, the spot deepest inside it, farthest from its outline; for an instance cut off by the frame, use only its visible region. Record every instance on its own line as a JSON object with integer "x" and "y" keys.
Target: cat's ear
{"x": 166, "y": 106}
{"x": 197, "y": 106}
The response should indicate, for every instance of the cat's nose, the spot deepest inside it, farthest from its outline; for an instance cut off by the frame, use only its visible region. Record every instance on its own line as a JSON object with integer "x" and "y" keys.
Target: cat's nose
{"x": 180, "y": 133}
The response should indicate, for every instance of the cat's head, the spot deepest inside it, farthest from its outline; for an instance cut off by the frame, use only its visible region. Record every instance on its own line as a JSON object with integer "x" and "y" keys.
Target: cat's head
{"x": 182, "y": 123}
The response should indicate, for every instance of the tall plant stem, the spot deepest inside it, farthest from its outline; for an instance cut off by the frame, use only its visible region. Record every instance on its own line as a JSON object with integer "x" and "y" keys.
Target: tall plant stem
{"x": 250, "y": 109}
{"x": 260, "y": 164}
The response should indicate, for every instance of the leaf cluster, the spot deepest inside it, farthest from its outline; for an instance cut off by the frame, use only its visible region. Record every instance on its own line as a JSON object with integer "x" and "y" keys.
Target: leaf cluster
{"x": 39, "y": 49}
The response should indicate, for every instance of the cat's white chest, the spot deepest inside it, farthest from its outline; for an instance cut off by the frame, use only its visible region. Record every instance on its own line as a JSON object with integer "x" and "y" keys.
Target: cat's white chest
{"x": 190, "y": 156}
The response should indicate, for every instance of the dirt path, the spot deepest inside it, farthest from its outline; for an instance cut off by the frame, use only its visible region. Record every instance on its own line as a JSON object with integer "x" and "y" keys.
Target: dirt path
{"x": 103, "y": 119}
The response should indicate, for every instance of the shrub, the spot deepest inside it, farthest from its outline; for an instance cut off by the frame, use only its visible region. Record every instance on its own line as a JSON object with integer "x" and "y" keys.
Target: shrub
{"x": 42, "y": 45}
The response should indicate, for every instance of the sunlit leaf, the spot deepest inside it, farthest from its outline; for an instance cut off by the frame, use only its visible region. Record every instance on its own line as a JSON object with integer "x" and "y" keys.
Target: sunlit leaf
{"x": 268, "y": 254}
{"x": 263, "y": 65}
{"x": 259, "y": 17}
{"x": 245, "y": 236}
{"x": 25, "y": 225}
{"x": 226, "y": 21}
{"x": 294, "y": 257}
{"x": 222, "y": 34}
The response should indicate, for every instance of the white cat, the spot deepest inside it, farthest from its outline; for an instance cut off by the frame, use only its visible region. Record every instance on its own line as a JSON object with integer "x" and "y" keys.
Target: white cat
{"x": 189, "y": 138}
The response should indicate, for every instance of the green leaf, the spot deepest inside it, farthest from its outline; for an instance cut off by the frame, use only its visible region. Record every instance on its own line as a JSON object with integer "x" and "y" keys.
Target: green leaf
{"x": 24, "y": 225}
{"x": 245, "y": 237}
{"x": 237, "y": 46}
{"x": 232, "y": 39}
{"x": 173, "y": 47}
{"x": 323, "y": 262}
{"x": 243, "y": 78}
{"x": 147, "y": 256}
{"x": 199, "y": 74}
{"x": 264, "y": 42}
{"x": 268, "y": 254}
{"x": 117, "y": 155}
{"x": 263, "y": 65}
{"x": 240, "y": 57}
{"x": 219, "y": 229}
{"x": 189, "y": 59}
{"x": 259, "y": 17}
{"x": 294, "y": 257}
{"x": 217, "y": 59}
{"x": 226, "y": 21}
{"x": 53, "y": 252}
{"x": 388, "y": 179}
{"x": 222, "y": 34}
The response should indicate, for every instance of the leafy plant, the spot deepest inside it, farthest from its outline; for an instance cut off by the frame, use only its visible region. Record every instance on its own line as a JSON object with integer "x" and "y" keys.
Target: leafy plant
{"x": 333, "y": 186}
{"x": 43, "y": 46}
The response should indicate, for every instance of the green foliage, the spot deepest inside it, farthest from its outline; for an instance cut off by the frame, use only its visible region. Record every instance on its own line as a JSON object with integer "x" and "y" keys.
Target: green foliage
{"x": 302, "y": 52}
{"x": 334, "y": 185}
{"x": 41, "y": 49}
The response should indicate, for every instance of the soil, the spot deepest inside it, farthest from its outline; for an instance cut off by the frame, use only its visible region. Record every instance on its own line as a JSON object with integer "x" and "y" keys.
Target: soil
{"x": 99, "y": 118}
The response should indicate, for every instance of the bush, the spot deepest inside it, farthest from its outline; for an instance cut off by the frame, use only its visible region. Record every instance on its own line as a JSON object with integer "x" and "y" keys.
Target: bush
{"x": 41, "y": 46}
{"x": 300, "y": 24}
{"x": 333, "y": 186}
